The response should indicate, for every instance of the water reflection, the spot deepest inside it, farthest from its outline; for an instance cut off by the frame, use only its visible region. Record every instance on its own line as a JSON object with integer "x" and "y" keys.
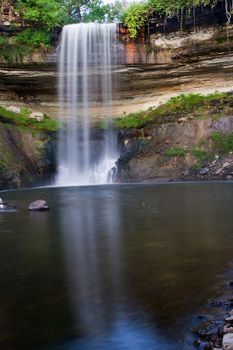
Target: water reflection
{"x": 125, "y": 335}
{"x": 92, "y": 250}
{"x": 115, "y": 267}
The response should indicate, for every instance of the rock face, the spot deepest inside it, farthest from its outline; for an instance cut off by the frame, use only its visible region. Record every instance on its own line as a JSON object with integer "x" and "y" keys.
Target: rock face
{"x": 145, "y": 157}
{"x": 203, "y": 32}
{"x": 198, "y": 58}
{"x": 38, "y": 205}
{"x": 26, "y": 157}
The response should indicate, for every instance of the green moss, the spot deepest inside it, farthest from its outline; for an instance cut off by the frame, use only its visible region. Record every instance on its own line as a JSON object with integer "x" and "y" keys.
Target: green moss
{"x": 223, "y": 142}
{"x": 197, "y": 166}
{"x": 189, "y": 102}
{"x": 103, "y": 124}
{"x": 132, "y": 120}
{"x": 184, "y": 105}
{"x": 202, "y": 155}
{"x": 22, "y": 120}
{"x": 175, "y": 152}
{"x": 3, "y": 41}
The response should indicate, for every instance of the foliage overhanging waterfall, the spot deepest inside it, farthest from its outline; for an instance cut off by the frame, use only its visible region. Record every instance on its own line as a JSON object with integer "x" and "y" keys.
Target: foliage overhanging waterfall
{"x": 85, "y": 80}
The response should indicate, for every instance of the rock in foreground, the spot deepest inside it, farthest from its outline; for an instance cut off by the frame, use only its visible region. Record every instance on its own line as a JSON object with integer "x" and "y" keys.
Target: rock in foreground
{"x": 228, "y": 341}
{"x": 38, "y": 205}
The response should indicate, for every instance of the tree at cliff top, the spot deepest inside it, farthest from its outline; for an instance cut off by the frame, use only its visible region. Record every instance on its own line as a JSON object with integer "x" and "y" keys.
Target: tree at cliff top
{"x": 92, "y": 10}
{"x": 137, "y": 14}
{"x": 52, "y": 13}
{"x": 41, "y": 13}
{"x": 39, "y": 17}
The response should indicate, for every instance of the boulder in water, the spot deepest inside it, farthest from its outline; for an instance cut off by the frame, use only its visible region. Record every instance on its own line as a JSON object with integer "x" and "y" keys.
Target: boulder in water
{"x": 38, "y": 205}
{"x": 227, "y": 342}
{"x": 2, "y": 205}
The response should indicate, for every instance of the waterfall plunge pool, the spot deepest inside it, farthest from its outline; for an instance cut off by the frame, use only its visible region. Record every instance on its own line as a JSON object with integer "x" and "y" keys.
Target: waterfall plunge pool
{"x": 113, "y": 267}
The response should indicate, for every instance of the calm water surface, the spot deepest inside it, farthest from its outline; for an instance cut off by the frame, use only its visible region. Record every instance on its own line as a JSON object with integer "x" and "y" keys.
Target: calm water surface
{"x": 112, "y": 267}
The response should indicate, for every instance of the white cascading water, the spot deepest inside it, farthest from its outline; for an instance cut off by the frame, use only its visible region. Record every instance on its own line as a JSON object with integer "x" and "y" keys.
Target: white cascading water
{"x": 85, "y": 77}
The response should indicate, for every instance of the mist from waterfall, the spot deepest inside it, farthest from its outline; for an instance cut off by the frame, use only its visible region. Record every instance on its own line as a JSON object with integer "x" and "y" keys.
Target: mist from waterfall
{"x": 85, "y": 80}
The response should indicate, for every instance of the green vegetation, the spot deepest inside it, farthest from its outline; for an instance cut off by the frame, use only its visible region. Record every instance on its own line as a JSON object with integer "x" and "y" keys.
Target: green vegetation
{"x": 42, "y": 13}
{"x": 46, "y": 15}
{"x": 14, "y": 53}
{"x": 22, "y": 120}
{"x": 135, "y": 16}
{"x": 134, "y": 20}
{"x": 38, "y": 18}
{"x": 49, "y": 14}
{"x": 185, "y": 105}
{"x": 202, "y": 155}
{"x": 33, "y": 38}
{"x": 223, "y": 143}
{"x": 132, "y": 120}
{"x": 175, "y": 152}
{"x": 189, "y": 102}
{"x": 25, "y": 42}
{"x": 3, "y": 41}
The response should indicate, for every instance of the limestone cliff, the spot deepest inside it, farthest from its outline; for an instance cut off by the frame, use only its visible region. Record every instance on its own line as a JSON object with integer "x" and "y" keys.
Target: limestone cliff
{"x": 165, "y": 61}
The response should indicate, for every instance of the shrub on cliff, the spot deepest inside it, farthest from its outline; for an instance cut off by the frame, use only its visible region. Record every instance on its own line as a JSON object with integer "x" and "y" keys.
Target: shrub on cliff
{"x": 42, "y": 13}
{"x": 33, "y": 38}
{"x": 137, "y": 14}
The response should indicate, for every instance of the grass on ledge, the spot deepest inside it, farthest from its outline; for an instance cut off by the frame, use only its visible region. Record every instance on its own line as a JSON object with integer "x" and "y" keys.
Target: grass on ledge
{"x": 175, "y": 152}
{"x": 202, "y": 155}
{"x": 185, "y": 105}
{"x": 22, "y": 119}
{"x": 222, "y": 142}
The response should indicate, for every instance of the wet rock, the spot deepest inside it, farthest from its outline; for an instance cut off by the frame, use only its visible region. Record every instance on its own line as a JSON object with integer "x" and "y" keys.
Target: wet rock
{"x": 204, "y": 171}
{"x": 216, "y": 304}
{"x": 229, "y": 319}
{"x": 226, "y": 164}
{"x": 13, "y": 109}
{"x": 38, "y": 205}
{"x": 37, "y": 115}
{"x": 183, "y": 119}
{"x": 227, "y": 305}
{"x": 204, "y": 345}
{"x": 2, "y": 205}
{"x": 202, "y": 317}
{"x": 218, "y": 171}
{"x": 227, "y": 342}
{"x": 227, "y": 329}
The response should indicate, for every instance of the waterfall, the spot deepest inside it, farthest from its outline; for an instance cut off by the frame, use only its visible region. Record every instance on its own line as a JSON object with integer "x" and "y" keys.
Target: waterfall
{"x": 85, "y": 82}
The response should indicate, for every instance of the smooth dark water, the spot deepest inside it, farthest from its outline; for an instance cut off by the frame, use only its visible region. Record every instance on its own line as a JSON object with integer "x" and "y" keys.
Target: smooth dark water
{"x": 112, "y": 267}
